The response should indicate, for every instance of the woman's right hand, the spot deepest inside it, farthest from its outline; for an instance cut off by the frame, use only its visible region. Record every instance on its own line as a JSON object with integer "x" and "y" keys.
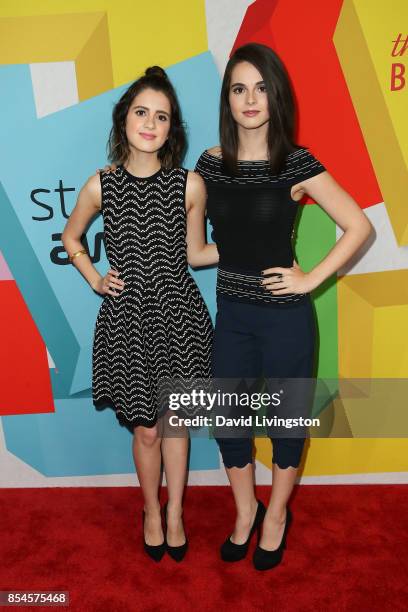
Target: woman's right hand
{"x": 107, "y": 284}
{"x": 107, "y": 169}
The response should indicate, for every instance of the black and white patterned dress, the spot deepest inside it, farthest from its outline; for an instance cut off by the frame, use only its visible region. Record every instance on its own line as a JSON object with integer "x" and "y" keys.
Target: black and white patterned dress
{"x": 158, "y": 326}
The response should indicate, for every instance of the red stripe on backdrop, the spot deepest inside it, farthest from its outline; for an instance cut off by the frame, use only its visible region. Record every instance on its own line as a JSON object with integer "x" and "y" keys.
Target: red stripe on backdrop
{"x": 302, "y": 34}
{"x": 25, "y": 376}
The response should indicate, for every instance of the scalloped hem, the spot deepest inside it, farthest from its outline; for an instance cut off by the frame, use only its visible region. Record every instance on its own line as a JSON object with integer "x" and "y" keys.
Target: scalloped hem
{"x": 285, "y": 466}
{"x": 130, "y": 424}
{"x": 240, "y": 467}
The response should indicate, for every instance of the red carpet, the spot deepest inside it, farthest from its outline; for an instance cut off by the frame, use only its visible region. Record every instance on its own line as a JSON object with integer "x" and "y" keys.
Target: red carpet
{"x": 347, "y": 550}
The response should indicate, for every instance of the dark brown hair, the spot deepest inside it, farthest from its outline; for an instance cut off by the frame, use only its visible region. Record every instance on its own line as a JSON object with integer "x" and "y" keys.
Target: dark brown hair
{"x": 172, "y": 152}
{"x": 280, "y": 102}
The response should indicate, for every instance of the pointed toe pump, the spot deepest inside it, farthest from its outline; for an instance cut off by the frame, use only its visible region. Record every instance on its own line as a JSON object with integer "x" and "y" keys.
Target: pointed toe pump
{"x": 176, "y": 552}
{"x": 235, "y": 552}
{"x": 155, "y": 552}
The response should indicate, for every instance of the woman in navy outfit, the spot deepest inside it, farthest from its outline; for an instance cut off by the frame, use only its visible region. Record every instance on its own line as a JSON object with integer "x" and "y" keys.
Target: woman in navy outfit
{"x": 265, "y": 323}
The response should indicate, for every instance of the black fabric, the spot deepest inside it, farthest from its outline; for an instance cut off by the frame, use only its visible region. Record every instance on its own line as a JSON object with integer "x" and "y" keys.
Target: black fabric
{"x": 253, "y": 214}
{"x": 251, "y": 342}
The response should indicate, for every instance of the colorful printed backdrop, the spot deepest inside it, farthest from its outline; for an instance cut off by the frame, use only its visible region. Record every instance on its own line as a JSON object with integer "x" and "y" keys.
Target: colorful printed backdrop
{"x": 63, "y": 66}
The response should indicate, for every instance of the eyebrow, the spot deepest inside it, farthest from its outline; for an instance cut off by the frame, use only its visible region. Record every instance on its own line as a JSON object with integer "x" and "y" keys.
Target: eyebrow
{"x": 243, "y": 85}
{"x": 146, "y": 108}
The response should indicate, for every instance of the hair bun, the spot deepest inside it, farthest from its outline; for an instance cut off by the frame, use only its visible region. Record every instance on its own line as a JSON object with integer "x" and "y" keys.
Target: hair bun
{"x": 156, "y": 71}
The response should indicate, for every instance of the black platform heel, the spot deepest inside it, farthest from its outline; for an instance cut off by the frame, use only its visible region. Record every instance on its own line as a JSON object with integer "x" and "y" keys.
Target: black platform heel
{"x": 155, "y": 552}
{"x": 235, "y": 552}
{"x": 176, "y": 552}
{"x": 267, "y": 559}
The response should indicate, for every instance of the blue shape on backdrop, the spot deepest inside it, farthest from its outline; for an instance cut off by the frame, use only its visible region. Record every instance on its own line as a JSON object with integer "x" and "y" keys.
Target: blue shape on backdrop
{"x": 45, "y": 164}
{"x": 78, "y": 441}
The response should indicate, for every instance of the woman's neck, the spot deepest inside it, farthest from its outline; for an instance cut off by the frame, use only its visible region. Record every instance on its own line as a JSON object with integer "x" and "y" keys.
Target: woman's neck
{"x": 253, "y": 144}
{"x": 142, "y": 164}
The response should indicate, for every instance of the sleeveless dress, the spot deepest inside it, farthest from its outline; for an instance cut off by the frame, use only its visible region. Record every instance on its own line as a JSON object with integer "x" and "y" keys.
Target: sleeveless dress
{"x": 158, "y": 327}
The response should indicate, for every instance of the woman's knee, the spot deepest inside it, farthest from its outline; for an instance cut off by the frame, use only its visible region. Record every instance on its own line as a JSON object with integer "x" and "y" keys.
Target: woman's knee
{"x": 147, "y": 436}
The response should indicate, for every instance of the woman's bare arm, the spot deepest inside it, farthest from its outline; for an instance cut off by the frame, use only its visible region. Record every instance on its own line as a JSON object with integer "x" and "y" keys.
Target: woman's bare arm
{"x": 347, "y": 214}
{"x": 88, "y": 205}
{"x": 199, "y": 253}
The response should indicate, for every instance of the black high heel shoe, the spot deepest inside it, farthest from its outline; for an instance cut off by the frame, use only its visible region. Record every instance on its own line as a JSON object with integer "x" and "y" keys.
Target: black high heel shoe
{"x": 155, "y": 552}
{"x": 235, "y": 552}
{"x": 267, "y": 559}
{"x": 176, "y": 552}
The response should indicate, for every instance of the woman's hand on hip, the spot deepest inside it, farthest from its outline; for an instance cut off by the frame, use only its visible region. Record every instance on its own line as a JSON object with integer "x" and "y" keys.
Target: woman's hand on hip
{"x": 287, "y": 280}
{"x": 110, "y": 284}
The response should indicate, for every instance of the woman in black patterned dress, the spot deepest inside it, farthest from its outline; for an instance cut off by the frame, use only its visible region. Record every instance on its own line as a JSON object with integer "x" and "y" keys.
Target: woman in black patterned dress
{"x": 153, "y": 323}
{"x": 265, "y": 324}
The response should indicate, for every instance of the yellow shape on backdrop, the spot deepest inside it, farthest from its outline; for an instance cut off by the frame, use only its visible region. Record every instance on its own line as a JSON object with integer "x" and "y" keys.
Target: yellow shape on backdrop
{"x": 364, "y": 40}
{"x": 60, "y": 38}
{"x": 139, "y": 34}
{"x": 390, "y": 342}
{"x": 355, "y": 322}
{"x": 372, "y": 311}
{"x": 93, "y": 64}
{"x": 356, "y": 456}
{"x": 336, "y": 456}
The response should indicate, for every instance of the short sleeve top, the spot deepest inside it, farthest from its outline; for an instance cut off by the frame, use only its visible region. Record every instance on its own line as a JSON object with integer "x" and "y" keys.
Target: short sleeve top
{"x": 252, "y": 213}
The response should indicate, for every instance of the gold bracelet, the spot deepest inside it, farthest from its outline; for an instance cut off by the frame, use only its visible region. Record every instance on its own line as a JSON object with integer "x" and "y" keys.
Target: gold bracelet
{"x": 77, "y": 254}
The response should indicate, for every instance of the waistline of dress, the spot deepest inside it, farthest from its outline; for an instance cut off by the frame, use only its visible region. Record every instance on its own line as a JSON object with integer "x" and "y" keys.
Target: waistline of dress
{"x": 245, "y": 285}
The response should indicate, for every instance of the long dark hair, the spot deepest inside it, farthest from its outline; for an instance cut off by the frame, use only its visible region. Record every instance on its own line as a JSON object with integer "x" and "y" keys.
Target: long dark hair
{"x": 172, "y": 152}
{"x": 280, "y": 102}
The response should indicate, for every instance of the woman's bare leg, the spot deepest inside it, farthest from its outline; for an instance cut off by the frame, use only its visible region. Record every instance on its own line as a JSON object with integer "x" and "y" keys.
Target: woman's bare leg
{"x": 175, "y": 452}
{"x": 242, "y": 484}
{"x": 274, "y": 522}
{"x": 147, "y": 458}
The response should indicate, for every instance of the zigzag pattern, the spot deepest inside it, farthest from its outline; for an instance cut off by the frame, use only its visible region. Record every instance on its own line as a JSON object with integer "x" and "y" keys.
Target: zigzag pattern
{"x": 158, "y": 327}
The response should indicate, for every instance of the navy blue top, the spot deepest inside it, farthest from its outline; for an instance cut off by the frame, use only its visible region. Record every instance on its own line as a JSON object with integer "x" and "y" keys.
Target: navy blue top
{"x": 252, "y": 213}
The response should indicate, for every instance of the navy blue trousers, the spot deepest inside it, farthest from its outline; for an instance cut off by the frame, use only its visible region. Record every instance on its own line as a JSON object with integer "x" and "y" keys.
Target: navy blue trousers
{"x": 257, "y": 340}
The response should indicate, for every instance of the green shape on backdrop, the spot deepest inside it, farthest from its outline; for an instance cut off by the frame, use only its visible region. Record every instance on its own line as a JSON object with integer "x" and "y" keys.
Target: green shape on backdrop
{"x": 315, "y": 237}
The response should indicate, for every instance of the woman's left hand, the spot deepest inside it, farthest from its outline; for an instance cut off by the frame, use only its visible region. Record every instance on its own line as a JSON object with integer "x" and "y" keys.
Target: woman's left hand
{"x": 291, "y": 280}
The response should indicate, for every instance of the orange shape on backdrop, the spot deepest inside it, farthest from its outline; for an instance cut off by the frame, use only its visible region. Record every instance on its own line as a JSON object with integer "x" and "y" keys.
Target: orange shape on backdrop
{"x": 302, "y": 34}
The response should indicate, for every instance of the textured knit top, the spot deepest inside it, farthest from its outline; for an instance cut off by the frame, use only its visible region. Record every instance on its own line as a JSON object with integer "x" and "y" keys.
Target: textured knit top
{"x": 252, "y": 215}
